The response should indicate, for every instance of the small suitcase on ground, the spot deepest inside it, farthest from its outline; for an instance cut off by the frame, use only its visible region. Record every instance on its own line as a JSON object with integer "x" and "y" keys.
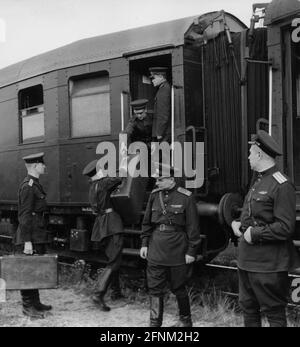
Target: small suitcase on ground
{"x": 29, "y": 272}
{"x": 128, "y": 198}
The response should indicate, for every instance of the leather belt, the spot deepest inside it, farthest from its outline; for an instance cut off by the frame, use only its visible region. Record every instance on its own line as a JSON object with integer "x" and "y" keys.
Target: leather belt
{"x": 165, "y": 227}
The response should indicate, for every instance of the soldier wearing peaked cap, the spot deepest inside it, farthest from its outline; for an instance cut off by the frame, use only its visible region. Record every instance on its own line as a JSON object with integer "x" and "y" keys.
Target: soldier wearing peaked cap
{"x": 107, "y": 229}
{"x": 31, "y": 236}
{"x": 170, "y": 239}
{"x": 161, "y": 128}
{"x": 265, "y": 231}
{"x": 140, "y": 125}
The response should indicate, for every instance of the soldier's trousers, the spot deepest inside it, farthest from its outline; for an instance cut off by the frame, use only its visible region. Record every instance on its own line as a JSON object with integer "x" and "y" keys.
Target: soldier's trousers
{"x": 263, "y": 293}
{"x": 158, "y": 277}
{"x": 31, "y": 296}
{"x": 113, "y": 250}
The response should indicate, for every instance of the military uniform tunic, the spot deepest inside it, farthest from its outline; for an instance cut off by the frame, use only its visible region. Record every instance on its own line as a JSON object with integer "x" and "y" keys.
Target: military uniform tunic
{"x": 32, "y": 206}
{"x": 107, "y": 229}
{"x": 270, "y": 209}
{"x": 139, "y": 130}
{"x": 162, "y": 113}
{"x": 106, "y": 224}
{"x": 172, "y": 232}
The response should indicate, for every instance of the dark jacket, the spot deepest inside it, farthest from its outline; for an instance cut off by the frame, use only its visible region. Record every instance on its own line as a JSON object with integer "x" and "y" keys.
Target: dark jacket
{"x": 106, "y": 224}
{"x": 169, "y": 248}
{"x": 32, "y": 206}
{"x": 139, "y": 130}
{"x": 270, "y": 209}
{"x": 162, "y": 113}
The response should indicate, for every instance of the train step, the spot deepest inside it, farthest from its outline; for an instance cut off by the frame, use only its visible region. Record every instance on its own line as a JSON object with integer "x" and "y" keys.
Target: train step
{"x": 131, "y": 251}
{"x": 137, "y": 232}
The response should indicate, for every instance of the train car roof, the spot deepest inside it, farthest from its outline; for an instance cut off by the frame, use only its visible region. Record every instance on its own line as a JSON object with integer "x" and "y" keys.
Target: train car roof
{"x": 106, "y": 47}
{"x": 279, "y": 10}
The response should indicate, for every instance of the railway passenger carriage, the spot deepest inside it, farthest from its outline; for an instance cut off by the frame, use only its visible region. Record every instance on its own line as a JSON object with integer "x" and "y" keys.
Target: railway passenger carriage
{"x": 65, "y": 102}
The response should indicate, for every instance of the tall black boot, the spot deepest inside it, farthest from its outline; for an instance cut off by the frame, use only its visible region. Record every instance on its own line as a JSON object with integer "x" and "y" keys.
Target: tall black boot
{"x": 38, "y": 305}
{"x": 252, "y": 320}
{"x": 29, "y": 310}
{"x": 185, "y": 318}
{"x": 116, "y": 293}
{"x": 102, "y": 285}
{"x": 156, "y": 311}
{"x": 277, "y": 318}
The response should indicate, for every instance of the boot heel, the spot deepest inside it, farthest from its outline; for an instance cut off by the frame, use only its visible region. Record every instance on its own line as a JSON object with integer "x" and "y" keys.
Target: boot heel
{"x": 99, "y": 301}
{"x": 185, "y": 318}
{"x": 156, "y": 311}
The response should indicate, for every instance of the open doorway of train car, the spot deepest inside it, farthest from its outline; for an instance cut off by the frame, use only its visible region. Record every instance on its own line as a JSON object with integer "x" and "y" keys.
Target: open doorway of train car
{"x": 141, "y": 86}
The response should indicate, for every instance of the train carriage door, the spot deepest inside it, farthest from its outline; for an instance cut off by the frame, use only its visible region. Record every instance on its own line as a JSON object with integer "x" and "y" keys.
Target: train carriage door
{"x": 212, "y": 80}
{"x": 291, "y": 110}
{"x": 291, "y": 107}
{"x": 295, "y": 57}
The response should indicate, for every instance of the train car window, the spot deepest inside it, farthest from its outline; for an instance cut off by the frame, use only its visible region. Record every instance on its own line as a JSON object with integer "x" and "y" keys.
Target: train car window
{"x": 31, "y": 113}
{"x": 90, "y": 106}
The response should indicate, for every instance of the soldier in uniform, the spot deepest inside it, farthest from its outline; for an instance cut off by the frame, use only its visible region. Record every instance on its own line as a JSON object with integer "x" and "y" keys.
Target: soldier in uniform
{"x": 108, "y": 230}
{"x": 140, "y": 125}
{"x": 161, "y": 128}
{"x": 31, "y": 235}
{"x": 170, "y": 238}
{"x": 265, "y": 231}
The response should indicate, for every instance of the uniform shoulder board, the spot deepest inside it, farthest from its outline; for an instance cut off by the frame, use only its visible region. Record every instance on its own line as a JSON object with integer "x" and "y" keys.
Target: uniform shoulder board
{"x": 184, "y": 191}
{"x": 279, "y": 177}
{"x": 30, "y": 183}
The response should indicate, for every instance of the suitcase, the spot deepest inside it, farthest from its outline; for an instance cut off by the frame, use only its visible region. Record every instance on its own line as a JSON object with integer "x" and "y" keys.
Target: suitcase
{"x": 29, "y": 272}
{"x": 128, "y": 198}
{"x": 79, "y": 240}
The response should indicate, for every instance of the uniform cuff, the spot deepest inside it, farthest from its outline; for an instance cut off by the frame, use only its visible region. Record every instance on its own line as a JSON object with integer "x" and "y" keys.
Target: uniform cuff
{"x": 192, "y": 251}
{"x": 145, "y": 241}
{"x": 26, "y": 237}
{"x": 255, "y": 234}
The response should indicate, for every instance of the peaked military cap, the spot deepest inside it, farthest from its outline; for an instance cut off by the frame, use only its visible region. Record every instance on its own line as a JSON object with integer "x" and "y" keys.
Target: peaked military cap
{"x": 266, "y": 143}
{"x": 158, "y": 70}
{"x": 34, "y": 158}
{"x": 163, "y": 170}
{"x": 139, "y": 104}
{"x": 90, "y": 170}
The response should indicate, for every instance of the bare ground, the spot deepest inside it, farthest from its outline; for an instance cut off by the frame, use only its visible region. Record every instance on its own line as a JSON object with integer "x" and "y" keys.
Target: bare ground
{"x": 73, "y": 309}
{"x": 72, "y": 306}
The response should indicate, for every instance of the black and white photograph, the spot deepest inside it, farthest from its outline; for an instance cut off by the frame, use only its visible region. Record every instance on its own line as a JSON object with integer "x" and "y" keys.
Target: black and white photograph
{"x": 149, "y": 166}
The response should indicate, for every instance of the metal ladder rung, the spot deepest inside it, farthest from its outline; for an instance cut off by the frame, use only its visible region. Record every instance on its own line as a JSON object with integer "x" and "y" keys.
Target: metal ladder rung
{"x": 132, "y": 232}
{"x": 131, "y": 251}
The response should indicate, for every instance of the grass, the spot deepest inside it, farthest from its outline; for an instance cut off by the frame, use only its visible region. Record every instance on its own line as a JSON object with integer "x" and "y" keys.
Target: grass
{"x": 210, "y": 307}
